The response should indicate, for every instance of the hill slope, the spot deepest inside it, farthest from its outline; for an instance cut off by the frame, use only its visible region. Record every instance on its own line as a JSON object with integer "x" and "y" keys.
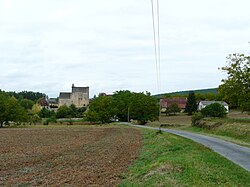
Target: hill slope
{"x": 200, "y": 91}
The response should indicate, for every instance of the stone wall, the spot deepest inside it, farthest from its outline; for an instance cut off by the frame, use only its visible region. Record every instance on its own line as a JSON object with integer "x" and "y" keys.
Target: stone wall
{"x": 79, "y": 97}
{"x": 66, "y": 102}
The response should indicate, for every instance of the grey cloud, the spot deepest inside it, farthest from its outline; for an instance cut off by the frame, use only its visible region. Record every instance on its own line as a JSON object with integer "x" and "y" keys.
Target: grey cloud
{"x": 108, "y": 45}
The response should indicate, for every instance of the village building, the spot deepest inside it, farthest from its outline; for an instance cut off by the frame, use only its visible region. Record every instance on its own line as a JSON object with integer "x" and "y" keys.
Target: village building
{"x": 203, "y": 104}
{"x": 53, "y": 103}
{"x": 166, "y": 102}
{"x": 79, "y": 96}
{"x": 43, "y": 103}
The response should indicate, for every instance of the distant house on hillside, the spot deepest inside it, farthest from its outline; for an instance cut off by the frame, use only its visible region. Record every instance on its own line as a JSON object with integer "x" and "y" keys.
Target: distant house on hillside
{"x": 79, "y": 97}
{"x": 203, "y": 104}
{"x": 181, "y": 102}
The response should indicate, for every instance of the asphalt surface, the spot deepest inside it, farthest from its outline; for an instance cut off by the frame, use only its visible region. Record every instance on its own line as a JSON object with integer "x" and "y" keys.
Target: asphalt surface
{"x": 236, "y": 153}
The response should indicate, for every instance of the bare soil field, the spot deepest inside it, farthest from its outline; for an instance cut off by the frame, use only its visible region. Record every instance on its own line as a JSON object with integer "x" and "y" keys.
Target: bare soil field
{"x": 66, "y": 156}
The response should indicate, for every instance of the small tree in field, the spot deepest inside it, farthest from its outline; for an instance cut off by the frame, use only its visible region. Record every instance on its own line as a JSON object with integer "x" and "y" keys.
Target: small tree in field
{"x": 191, "y": 105}
{"x": 172, "y": 109}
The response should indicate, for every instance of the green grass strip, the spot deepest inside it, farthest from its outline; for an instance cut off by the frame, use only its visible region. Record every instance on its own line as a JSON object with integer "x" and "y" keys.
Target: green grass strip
{"x": 169, "y": 160}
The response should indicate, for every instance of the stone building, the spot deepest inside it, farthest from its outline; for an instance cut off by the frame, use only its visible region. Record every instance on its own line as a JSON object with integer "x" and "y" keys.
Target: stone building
{"x": 79, "y": 97}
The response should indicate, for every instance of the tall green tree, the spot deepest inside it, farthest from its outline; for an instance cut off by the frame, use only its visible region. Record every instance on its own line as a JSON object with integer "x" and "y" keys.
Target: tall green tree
{"x": 122, "y": 102}
{"x": 137, "y": 106}
{"x": 15, "y": 112}
{"x": 26, "y": 103}
{"x": 11, "y": 111}
{"x": 3, "y": 103}
{"x": 236, "y": 87}
{"x": 101, "y": 110}
{"x": 191, "y": 105}
{"x": 124, "y": 105}
{"x": 144, "y": 108}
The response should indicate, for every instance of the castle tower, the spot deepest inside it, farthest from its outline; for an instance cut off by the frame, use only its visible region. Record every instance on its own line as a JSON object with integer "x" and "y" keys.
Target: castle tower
{"x": 79, "y": 97}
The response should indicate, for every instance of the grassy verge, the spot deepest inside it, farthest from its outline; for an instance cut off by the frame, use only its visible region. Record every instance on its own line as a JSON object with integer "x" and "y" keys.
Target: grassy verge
{"x": 235, "y": 128}
{"x": 169, "y": 160}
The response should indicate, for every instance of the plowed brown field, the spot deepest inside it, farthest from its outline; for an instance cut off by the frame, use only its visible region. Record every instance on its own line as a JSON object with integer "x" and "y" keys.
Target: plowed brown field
{"x": 66, "y": 156}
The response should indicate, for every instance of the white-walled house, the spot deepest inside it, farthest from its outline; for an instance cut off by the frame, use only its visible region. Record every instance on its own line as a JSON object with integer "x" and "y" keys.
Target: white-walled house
{"x": 203, "y": 104}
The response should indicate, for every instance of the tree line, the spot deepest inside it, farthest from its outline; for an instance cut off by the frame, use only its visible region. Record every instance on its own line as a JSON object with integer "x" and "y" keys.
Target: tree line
{"x": 123, "y": 106}
{"x": 24, "y": 107}
{"x": 33, "y": 96}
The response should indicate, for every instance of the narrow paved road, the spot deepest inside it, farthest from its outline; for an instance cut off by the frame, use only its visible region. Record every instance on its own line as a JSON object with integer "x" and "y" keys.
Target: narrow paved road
{"x": 236, "y": 153}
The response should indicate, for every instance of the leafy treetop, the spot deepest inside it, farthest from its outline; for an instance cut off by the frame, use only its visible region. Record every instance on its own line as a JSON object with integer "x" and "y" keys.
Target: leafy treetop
{"x": 236, "y": 87}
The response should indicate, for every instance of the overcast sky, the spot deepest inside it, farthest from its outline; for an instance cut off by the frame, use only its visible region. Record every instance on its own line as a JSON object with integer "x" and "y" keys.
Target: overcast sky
{"x": 46, "y": 45}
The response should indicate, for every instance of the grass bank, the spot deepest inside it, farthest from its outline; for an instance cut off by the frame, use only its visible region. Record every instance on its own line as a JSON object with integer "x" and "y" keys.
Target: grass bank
{"x": 235, "y": 128}
{"x": 169, "y": 160}
{"x": 231, "y": 130}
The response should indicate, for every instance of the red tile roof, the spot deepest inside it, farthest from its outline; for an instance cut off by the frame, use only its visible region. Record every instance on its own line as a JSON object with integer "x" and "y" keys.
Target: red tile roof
{"x": 181, "y": 102}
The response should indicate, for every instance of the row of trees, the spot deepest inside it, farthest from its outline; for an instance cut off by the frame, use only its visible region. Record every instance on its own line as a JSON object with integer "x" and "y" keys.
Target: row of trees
{"x": 11, "y": 110}
{"x": 29, "y": 95}
{"x": 19, "y": 107}
{"x": 26, "y": 108}
{"x": 63, "y": 112}
{"x": 199, "y": 96}
{"x": 124, "y": 106}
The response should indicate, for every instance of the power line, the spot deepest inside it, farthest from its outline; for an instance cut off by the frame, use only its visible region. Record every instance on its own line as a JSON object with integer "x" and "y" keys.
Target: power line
{"x": 155, "y": 47}
{"x": 159, "y": 51}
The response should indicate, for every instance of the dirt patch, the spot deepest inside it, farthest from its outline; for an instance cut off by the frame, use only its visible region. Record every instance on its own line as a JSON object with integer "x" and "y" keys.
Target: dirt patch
{"x": 179, "y": 120}
{"x": 164, "y": 169}
{"x": 66, "y": 156}
{"x": 238, "y": 114}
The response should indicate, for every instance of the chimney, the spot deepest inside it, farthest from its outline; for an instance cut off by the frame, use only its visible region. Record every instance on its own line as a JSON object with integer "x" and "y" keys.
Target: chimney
{"x": 73, "y": 85}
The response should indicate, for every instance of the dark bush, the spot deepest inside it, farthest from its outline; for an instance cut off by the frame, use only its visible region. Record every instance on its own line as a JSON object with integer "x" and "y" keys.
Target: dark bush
{"x": 196, "y": 118}
{"x": 52, "y": 120}
{"x": 64, "y": 112}
{"x": 46, "y": 113}
{"x": 214, "y": 110}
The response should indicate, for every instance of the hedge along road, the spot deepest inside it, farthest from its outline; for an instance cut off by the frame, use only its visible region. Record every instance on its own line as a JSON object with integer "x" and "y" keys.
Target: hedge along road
{"x": 236, "y": 153}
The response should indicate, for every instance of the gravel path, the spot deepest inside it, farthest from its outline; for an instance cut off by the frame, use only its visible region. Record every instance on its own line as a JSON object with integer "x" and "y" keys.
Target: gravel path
{"x": 236, "y": 153}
